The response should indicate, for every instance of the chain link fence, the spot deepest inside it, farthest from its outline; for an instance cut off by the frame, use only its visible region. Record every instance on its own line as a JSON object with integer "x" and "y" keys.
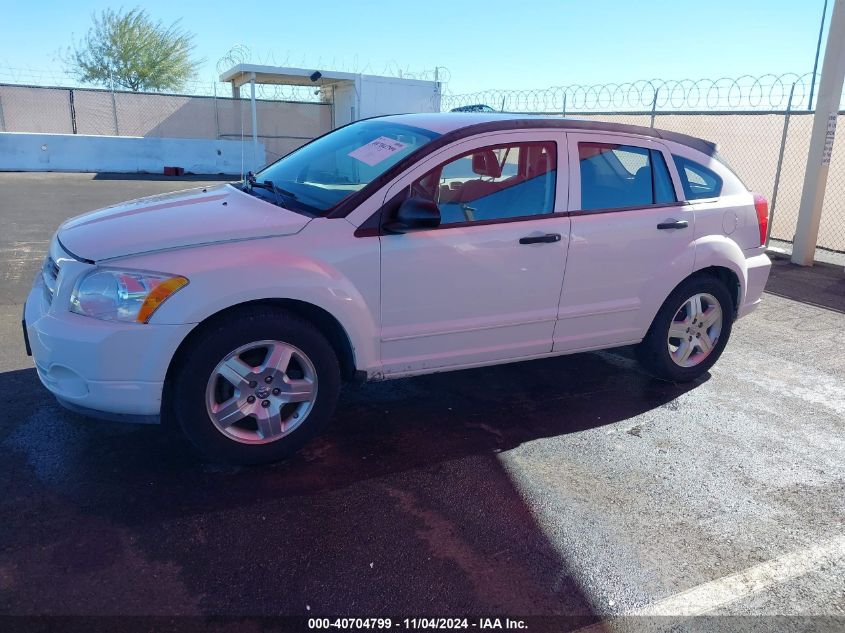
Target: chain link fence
{"x": 762, "y": 126}
{"x": 282, "y": 125}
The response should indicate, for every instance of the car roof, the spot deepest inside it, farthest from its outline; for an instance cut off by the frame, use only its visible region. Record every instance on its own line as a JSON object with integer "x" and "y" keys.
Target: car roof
{"x": 465, "y": 123}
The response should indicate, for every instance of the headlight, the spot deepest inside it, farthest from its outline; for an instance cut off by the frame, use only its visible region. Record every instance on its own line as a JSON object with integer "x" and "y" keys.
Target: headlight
{"x": 123, "y": 295}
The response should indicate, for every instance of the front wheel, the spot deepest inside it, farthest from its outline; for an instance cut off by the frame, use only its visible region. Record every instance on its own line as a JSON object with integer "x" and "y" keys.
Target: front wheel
{"x": 255, "y": 386}
{"x": 689, "y": 332}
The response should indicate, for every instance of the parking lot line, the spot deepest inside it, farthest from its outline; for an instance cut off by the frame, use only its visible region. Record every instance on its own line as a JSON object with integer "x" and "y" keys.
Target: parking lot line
{"x": 709, "y": 596}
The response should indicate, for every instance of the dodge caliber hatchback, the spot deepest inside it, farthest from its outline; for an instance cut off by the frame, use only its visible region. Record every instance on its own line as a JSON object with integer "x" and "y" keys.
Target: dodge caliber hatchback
{"x": 392, "y": 247}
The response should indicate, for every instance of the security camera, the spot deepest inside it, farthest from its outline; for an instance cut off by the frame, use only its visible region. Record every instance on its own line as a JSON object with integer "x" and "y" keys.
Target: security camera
{"x": 316, "y": 75}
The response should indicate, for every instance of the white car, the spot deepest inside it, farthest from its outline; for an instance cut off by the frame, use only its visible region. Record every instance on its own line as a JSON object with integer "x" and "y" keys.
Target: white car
{"x": 392, "y": 247}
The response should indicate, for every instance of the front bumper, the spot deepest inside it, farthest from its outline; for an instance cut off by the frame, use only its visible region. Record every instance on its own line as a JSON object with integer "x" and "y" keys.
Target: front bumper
{"x": 103, "y": 368}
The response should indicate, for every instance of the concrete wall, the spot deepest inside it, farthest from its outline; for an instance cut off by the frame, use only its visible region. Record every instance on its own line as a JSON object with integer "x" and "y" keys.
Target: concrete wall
{"x": 125, "y": 154}
{"x": 282, "y": 125}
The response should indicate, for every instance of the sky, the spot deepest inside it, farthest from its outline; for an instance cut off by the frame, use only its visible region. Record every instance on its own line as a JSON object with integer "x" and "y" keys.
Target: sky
{"x": 482, "y": 44}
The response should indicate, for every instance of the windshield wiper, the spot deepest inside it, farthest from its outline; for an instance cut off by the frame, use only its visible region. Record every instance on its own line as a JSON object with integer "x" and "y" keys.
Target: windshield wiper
{"x": 269, "y": 186}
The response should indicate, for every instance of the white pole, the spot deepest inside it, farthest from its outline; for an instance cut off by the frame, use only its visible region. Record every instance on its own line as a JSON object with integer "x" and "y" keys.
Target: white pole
{"x": 254, "y": 123}
{"x": 821, "y": 141}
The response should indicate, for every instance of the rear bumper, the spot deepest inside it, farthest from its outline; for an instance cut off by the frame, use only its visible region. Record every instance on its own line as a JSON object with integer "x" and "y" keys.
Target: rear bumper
{"x": 758, "y": 268}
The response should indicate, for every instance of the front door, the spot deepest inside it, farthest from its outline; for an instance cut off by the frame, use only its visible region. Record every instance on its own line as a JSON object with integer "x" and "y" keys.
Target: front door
{"x": 631, "y": 240}
{"x": 485, "y": 285}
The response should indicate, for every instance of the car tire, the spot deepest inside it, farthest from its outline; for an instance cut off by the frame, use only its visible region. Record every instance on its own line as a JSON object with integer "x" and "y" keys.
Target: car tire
{"x": 662, "y": 354}
{"x": 277, "y": 406}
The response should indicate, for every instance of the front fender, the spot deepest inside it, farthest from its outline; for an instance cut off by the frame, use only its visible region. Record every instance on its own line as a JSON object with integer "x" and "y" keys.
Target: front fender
{"x": 225, "y": 275}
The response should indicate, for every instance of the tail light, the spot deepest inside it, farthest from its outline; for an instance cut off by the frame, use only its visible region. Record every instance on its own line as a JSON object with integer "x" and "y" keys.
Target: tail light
{"x": 761, "y": 205}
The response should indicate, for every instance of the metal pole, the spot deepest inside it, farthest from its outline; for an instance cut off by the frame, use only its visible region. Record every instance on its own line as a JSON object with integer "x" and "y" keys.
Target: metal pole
{"x": 821, "y": 140}
{"x": 72, "y": 112}
{"x": 216, "y": 112}
{"x": 435, "y": 107}
{"x": 654, "y": 107}
{"x": 816, "y": 63}
{"x": 564, "y": 104}
{"x": 2, "y": 117}
{"x": 438, "y": 91}
{"x": 357, "y": 112}
{"x": 254, "y": 122}
{"x": 780, "y": 161}
{"x": 114, "y": 113}
{"x": 113, "y": 104}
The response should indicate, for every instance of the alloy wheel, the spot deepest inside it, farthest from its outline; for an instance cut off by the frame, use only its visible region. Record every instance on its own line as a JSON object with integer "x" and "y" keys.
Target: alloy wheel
{"x": 694, "y": 330}
{"x": 261, "y": 392}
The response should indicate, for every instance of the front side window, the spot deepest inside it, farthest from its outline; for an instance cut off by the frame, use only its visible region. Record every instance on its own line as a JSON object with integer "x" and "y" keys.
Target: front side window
{"x": 493, "y": 183}
{"x": 617, "y": 176}
{"x": 320, "y": 175}
{"x": 698, "y": 181}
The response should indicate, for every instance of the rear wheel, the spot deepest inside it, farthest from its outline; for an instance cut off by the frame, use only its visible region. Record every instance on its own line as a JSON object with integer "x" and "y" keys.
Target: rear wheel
{"x": 689, "y": 332}
{"x": 255, "y": 386}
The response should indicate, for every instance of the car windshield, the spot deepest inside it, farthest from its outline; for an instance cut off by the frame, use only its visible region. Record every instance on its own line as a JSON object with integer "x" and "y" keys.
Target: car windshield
{"x": 324, "y": 172}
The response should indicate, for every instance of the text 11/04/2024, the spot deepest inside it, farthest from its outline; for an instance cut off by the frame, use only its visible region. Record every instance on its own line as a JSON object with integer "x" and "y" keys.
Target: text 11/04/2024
{"x": 415, "y": 624}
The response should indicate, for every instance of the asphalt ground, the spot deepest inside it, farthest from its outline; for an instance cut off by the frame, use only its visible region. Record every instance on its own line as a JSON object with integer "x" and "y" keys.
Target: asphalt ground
{"x": 576, "y": 487}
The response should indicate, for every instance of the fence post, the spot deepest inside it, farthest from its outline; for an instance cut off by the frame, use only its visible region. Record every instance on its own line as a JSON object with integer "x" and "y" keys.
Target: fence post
{"x": 114, "y": 113}
{"x": 564, "y": 104}
{"x": 780, "y": 161}
{"x": 654, "y": 107}
{"x": 216, "y": 112}
{"x": 72, "y": 112}
{"x": 2, "y": 116}
{"x": 254, "y": 166}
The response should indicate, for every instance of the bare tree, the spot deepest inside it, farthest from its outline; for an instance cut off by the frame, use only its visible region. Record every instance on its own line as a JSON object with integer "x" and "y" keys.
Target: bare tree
{"x": 130, "y": 50}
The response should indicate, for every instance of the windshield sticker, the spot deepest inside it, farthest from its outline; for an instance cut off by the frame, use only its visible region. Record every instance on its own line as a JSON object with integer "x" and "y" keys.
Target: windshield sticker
{"x": 376, "y": 151}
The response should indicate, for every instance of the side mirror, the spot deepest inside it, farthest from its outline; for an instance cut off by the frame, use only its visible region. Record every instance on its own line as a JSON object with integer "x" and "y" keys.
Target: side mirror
{"x": 414, "y": 214}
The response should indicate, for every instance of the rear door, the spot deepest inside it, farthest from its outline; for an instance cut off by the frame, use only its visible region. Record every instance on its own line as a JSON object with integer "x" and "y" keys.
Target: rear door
{"x": 632, "y": 238}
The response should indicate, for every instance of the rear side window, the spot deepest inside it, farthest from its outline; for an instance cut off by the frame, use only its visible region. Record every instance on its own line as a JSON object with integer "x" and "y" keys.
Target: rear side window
{"x": 698, "y": 181}
{"x": 618, "y": 176}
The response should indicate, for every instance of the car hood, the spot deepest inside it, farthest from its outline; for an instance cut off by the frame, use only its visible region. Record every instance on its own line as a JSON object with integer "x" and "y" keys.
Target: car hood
{"x": 185, "y": 218}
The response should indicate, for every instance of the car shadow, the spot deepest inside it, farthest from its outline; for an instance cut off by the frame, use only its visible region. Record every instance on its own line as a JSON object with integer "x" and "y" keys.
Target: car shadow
{"x": 402, "y": 507}
{"x": 822, "y": 285}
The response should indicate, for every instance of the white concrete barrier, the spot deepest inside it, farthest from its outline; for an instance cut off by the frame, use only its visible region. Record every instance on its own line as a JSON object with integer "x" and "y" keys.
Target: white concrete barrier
{"x": 125, "y": 154}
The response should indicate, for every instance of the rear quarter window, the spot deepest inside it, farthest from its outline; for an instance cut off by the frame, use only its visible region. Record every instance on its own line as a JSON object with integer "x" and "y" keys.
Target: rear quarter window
{"x": 698, "y": 181}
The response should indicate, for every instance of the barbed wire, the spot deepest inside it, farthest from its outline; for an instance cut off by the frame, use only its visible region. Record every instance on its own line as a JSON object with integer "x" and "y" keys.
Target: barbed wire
{"x": 243, "y": 54}
{"x": 748, "y": 92}
{"x": 59, "y": 77}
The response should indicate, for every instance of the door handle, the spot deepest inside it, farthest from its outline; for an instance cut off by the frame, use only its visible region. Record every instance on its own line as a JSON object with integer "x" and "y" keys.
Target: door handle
{"x": 673, "y": 224}
{"x": 540, "y": 239}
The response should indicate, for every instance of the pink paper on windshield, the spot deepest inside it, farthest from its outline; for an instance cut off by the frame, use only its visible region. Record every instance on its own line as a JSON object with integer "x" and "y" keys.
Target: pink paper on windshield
{"x": 376, "y": 151}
